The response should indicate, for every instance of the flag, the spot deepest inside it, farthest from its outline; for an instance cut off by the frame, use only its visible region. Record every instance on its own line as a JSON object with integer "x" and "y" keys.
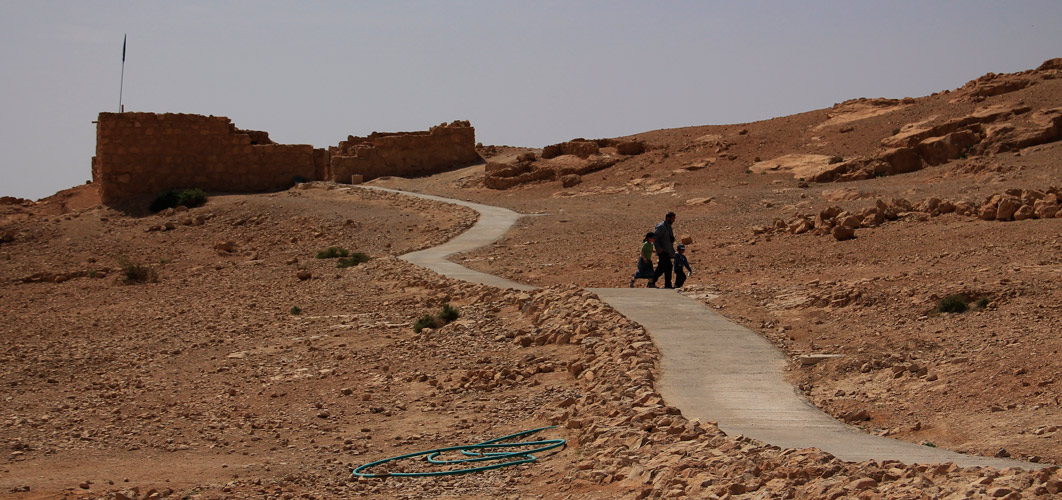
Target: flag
{"x": 123, "y": 47}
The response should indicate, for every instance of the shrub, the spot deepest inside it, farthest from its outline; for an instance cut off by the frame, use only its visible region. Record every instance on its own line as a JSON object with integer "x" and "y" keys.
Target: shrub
{"x": 135, "y": 272}
{"x": 445, "y": 316}
{"x": 952, "y": 304}
{"x": 175, "y": 197}
{"x": 426, "y": 321}
{"x": 895, "y": 131}
{"x": 982, "y": 303}
{"x": 333, "y": 253}
{"x": 355, "y": 259}
{"x": 449, "y": 313}
{"x": 296, "y": 310}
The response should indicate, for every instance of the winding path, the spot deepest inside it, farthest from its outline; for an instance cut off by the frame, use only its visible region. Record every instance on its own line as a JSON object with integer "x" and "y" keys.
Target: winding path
{"x": 712, "y": 368}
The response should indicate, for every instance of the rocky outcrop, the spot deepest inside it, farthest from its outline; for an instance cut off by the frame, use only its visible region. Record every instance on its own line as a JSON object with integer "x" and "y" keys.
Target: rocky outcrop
{"x": 1012, "y": 205}
{"x": 527, "y": 169}
{"x": 988, "y": 130}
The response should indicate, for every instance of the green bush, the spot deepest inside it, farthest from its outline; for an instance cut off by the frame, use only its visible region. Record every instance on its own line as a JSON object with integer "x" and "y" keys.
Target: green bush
{"x": 982, "y": 303}
{"x": 355, "y": 259}
{"x": 445, "y": 316}
{"x": 176, "y": 197}
{"x": 449, "y": 313}
{"x": 296, "y": 310}
{"x": 426, "y": 321}
{"x": 952, "y": 304}
{"x": 135, "y": 272}
{"x": 333, "y": 253}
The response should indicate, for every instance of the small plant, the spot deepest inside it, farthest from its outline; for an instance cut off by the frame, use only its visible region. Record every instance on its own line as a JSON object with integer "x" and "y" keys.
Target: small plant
{"x": 177, "y": 197}
{"x": 165, "y": 261}
{"x": 355, "y": 259}
{"x": 295, "y": 310}
{"x": 333, "y": 253}
{"x": 895, "y": 131}
{"x": 449, "y": 313}
{"x": 981, "y": 303}
{"x": 135, "y": 272}
{"x": 952, "y": 304}
{"x": 426, "y": 321}
{"x": 445, "y": 316}
{"x": 929, "y": 444}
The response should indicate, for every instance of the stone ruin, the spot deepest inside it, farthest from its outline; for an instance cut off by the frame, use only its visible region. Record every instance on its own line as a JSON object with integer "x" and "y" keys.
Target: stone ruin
{"x": 140, "y": 155}
{"x": 408, "y": 154}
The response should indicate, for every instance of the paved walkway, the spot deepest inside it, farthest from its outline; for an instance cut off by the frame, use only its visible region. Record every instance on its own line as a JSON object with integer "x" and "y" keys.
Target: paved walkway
{"x": 712, "y": 369}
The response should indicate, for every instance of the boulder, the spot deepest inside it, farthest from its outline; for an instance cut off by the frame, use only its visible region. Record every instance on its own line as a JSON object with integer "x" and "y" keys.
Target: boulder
{"x": 939, "y": 150}
{"x": 570, "y": 180}
{"x": 630, "y": 148}
{"x": 1045, "y": 210}
{"x": 1025, "y": 212}
{"x": 801, "y": 226}
{"x": 965, "y": 208}
{"x": 686, "y": 239}
{"x": 849, "y": 221}
{"x": 1006, "y": 208}
{"x": 841, "y": 233}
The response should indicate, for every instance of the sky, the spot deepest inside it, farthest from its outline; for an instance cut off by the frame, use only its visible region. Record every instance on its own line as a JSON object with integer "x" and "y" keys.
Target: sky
{"x": 524, "y": 73}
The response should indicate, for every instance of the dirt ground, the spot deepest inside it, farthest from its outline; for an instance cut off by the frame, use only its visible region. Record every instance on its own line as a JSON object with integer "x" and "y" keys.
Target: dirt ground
{"x": 251, "y": 369}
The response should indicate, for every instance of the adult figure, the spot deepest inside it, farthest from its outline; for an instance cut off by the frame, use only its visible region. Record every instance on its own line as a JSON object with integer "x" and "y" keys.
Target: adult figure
{"x": 665, "y": 250}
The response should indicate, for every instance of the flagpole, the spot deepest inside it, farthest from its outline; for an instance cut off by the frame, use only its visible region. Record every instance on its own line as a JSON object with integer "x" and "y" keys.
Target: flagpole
{"x": 121, "y": 86}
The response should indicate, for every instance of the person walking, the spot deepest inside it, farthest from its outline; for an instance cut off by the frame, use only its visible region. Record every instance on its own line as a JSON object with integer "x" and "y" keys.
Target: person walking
{"x": 665, "y": 250}
{"x": 645, "y": 259}
{"x": 681, "y": 266}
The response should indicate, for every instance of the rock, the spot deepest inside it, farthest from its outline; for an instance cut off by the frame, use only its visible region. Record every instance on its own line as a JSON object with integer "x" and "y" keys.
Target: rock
{"x": 630, "y": 148}
{"x": 225, "y": 246}
{"x": 303, "y": 274}
{"x": 842, "y": 233}
{"x": 999, "y": 492}
{"x": 570, "y": 180}
{"x": 1002, "y": 453}
{"x": 1025, "y": 212}
{"x": 1006, "y": 208}
{"x": 7, "y": 235}
{"x": 856, "y": 416}
{"x": 865, "y": 483}
{"x": 699, "y": 201}
{"x": 965, "y": 208}
{"x": 801, "y": 226}
{"x": 686, "y": 239}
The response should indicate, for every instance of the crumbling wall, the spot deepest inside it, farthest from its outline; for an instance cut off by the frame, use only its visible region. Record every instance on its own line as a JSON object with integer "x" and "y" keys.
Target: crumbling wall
{"x": 140, "y": 155}
{"x": 405, "y": 154}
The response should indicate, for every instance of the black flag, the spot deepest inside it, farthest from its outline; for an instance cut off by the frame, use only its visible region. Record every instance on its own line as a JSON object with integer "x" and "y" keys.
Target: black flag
{"x": 123, "y": 47}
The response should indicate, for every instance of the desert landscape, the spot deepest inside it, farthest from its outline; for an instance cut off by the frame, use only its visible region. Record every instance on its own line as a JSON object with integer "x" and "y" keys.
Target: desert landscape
{"x": 918, "y": 241}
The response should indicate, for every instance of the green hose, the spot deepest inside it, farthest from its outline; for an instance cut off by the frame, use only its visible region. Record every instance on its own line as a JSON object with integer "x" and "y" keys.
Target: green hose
{"x": 517, "y": 457}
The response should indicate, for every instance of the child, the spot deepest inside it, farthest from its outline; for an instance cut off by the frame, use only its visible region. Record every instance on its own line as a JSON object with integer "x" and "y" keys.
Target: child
{"x": 680, "y": 264}
{"x": 645, "y": 259}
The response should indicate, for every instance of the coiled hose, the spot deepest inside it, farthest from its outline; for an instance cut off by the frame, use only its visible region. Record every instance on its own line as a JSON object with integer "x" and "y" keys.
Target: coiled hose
{"x": 517, "y": 457}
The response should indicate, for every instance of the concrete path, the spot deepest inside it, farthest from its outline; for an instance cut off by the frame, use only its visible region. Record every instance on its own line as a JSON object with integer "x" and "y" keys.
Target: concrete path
{"x": 493, "y": 223}
{"x": 711, "y": 368}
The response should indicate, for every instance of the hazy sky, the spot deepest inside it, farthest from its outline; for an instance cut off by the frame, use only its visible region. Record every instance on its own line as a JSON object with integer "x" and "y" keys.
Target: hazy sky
{"x": 527, "y": 73}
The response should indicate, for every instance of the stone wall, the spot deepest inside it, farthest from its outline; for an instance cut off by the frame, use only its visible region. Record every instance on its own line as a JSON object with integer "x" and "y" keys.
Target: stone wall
{"x": 140, "y": 155}
{"x": 406, "y": 154}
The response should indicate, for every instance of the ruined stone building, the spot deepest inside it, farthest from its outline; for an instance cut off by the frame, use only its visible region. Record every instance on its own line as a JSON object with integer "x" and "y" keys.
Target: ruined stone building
{"x": 139, "y": 155}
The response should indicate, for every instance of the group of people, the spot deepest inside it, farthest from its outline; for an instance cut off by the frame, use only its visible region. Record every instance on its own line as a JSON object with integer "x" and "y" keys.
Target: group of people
{"x": 661, "y": 241}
